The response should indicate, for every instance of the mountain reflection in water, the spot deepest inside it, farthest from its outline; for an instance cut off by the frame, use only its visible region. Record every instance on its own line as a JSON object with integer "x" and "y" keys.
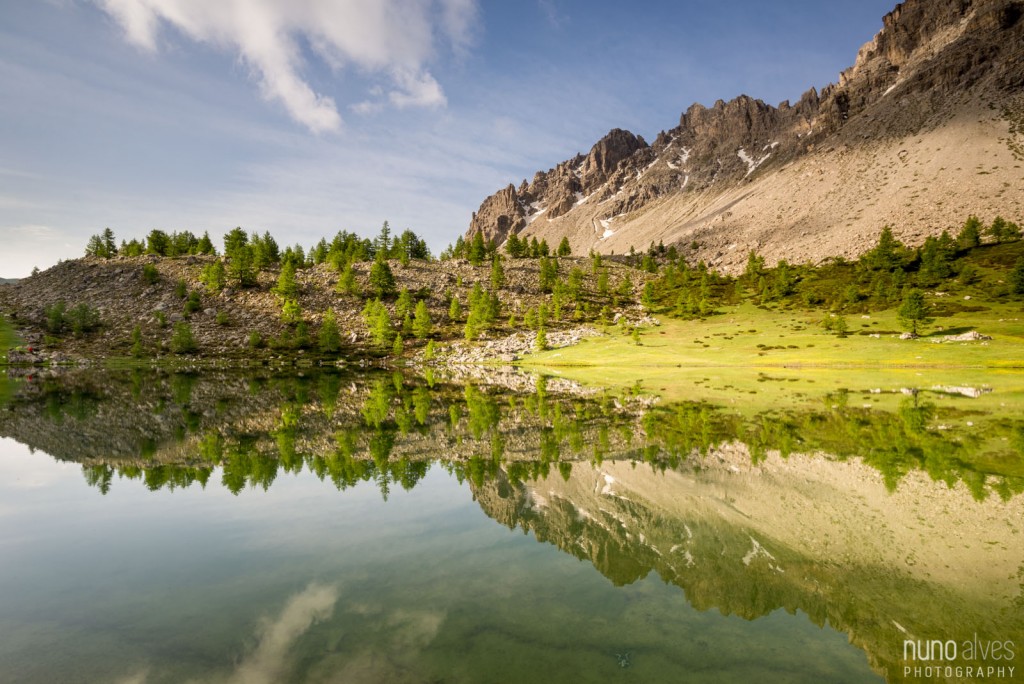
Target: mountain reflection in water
{"x": 886, "y": 521}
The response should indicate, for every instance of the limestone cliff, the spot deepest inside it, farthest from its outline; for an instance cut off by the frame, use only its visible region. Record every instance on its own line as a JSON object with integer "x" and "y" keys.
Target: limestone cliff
{"x": 923, "y": 130}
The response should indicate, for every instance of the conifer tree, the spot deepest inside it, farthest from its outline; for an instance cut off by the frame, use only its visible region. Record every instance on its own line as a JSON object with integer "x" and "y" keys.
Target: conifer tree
{"x": 213, "y": 277}
{"x": 497, "y": 273}
{"x": 287, "y": 287}
{"x": 914, "y": 311}
{"x": 455, "y": 310}
{"x": 347, "y": 281}
{"x": 422, "y": 326}
{"x": 382, "y": 280}
{"x": 329, "y": 338}
{"x": 477, "y": 249}
{"x": 969, "y": 236}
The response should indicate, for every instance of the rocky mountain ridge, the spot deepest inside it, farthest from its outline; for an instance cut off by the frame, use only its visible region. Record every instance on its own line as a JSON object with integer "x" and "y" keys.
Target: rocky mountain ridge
{"x": 921, "y": 130}
{"x": 802, "y": 533}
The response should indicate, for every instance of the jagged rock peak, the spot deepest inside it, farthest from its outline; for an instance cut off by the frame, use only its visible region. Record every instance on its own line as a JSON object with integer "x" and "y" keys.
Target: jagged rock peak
{"x": 609, "y": 151}
{"x": 932, "y": 63}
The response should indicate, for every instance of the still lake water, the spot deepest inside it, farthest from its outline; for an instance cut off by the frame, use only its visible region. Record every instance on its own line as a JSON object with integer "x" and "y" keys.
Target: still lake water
{"x": 325, "y": 528}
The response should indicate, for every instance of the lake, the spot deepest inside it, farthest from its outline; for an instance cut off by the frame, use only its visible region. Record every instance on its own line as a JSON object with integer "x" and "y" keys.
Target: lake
{"x": 314, "y": 526}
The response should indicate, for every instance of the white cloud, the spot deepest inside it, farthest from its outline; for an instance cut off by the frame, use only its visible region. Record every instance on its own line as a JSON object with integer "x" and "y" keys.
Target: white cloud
{"x": 394, "y": 39}
{"x": 416, "y": 90}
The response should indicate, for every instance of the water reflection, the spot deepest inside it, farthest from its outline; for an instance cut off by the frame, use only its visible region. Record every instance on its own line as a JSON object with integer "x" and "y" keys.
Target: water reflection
{"x": 172, "y": 430}
{"x": 886, "y": 515}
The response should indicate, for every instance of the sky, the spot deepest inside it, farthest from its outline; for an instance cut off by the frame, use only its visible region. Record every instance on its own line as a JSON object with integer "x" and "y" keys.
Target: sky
{"x": 306, "y": 117}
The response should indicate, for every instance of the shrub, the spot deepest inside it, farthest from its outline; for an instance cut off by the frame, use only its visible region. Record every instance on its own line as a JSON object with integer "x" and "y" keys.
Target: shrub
{"x": 183, "y": 341}
{"x": 193, "y": 303}
{"x": 540, "y": 343}
{"x": 291, "y": 312}
{"x": 301, "y": 340}
{"x": 149, "y": 274}
{"x": 55, "y": 317}
{"x": 222, "y": 318}
{"x": 213, "y": 277}
{"x": 136, "y": 340}
{"x": 180, "y": 289}
{"x": 82, "y": 318}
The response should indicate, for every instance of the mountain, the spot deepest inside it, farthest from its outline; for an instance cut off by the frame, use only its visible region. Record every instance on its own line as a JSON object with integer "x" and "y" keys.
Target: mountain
{"x": 926, "y": 128}
{"x": 801, "y": 533}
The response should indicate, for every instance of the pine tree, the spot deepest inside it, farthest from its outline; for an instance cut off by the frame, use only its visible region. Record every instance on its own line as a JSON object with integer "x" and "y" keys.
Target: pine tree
{"x": 213, "y": 277}
{"x": 183, "y": 341}
{"x": 404, "y": 305}
{"x": 157, "y": 242}
{"x": 378, "y": 321}
{"x": 497, "y": 273}
{"x": 205, "y": 245}
{"x": 422, "y": 326}
{"x": 886, "y": 256}
{"x": 477, "y": 249}
{"x": 347, "y": 281}
{"x": 287, "y": 287}
{"x": 540, "y": 342}
{"x": 970, "y": 235}
{"x": 1017, "y": 277}
{"x": 136, "y": 340}
{"x": 382, "y": 280}
{"x": 235, "y": 239}
{"x": 564, "y": 249}
{"x": 329, "y": 338}
{"x": 455, "y": 310}
{"x": 647, "y": 298}
{"x": 514, "y": 246}
{"x": 240, "y": 266}
{"x": 914, "y": 311}
{"x": 383, "y": 241}
{"x": 94, "y": 247}
{"x": 109, "y": 243}
{"x": 291, "y": 312}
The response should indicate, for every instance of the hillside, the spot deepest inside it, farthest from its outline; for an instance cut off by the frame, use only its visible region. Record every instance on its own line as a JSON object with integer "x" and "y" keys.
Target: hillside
{"x": 927, "y": 126}
{"x": 249, "y": 323}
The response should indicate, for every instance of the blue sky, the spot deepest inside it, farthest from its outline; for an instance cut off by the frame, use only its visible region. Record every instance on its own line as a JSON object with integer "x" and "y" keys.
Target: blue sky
{"x": 304, "y": 117}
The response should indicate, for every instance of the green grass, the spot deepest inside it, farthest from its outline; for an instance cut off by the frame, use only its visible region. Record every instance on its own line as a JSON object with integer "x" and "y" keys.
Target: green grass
{"x": 740, "y": 347}
{"x": 8, "y": 339}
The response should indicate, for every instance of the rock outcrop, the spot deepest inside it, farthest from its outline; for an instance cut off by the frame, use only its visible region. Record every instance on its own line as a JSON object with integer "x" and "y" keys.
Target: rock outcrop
{"x": 921, "y": 131}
